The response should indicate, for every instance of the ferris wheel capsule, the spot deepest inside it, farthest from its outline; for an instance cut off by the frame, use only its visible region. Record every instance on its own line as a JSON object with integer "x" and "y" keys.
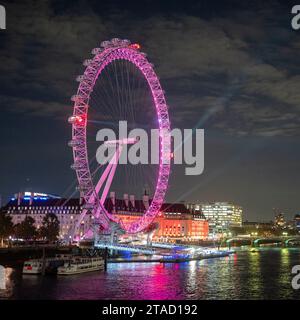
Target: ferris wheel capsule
{"x": 126, "y": 42}
{"x": 77, "y": 120}
{"x": 80, "y": 78}
{"x": 87, "y": 62}
{"x": 72, "y": 119}
{"x": 135, "y": 46}
{"x": 76, "y": 97}
{"x": 115, "y": 41}
{"x": 77, "y": 166}
{"x": 105, "y": 44}
{"x": 96, "y": 51}
{"x": 74, "y": 143}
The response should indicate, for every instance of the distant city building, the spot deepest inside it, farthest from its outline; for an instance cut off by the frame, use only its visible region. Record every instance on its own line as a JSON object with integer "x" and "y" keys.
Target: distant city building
{"x": 175, "y": 221}
{"x": 297, "y": 221}
{"x": 258, "y": 225}
{"x": 221, "y": 216}
{"x": 255, "y": 228}
{"x": 279, "y": 221}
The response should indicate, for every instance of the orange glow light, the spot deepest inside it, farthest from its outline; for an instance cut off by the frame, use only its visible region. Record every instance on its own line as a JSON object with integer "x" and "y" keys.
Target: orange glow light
{"x": 135, "y": 46}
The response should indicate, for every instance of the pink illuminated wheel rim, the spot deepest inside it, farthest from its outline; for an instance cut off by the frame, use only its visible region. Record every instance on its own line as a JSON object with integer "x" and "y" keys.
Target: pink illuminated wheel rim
{"x": 109, "y": 52}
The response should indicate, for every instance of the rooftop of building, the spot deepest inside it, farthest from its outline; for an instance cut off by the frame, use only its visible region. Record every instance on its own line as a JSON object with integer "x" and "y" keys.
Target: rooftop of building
{"x": 252, "y": 223}
{"x": 110, "y": 204}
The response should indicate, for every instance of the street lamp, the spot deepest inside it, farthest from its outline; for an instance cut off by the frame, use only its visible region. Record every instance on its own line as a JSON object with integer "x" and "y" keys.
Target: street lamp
{"x": 9, "y": 240}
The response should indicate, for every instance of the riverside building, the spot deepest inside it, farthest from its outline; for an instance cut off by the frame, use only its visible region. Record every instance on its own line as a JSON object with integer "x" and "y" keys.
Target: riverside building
{"x": 174, "y": 221}
{"x": 221, "y": 216}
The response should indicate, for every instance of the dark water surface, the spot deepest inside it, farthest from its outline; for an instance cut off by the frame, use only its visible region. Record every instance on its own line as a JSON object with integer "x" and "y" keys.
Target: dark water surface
{"x": 245, "y": 275}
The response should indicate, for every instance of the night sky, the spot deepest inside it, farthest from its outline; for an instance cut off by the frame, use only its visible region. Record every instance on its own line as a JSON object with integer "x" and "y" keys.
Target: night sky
{"x": 230, "y": 67}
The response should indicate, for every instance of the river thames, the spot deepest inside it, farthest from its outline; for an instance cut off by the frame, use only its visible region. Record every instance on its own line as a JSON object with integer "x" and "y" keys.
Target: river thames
{"x": 265, "y": 274}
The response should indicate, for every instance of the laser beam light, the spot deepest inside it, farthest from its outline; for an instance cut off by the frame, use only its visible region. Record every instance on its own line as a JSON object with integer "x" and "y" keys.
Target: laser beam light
{"x": 2, "y": 17}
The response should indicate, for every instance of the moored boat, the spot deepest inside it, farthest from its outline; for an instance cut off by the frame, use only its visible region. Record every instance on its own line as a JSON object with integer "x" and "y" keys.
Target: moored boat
{"x": 33, "y": 266}
{"x": 79, "y": 265}
{"x": 58, "y": 261}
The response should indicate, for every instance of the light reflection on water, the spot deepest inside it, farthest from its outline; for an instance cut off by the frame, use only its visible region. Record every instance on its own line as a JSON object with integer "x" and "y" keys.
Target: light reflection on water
{"x": 245, "y": 275}
{"x": 255, "y": 280}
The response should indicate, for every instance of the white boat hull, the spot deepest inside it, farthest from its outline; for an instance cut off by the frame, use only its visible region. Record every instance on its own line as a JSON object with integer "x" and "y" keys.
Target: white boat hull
{"x": 32, "y": 267}
{"x": 81, "y": 265}
{"x": 70, "y": 272}
{"x": 33, "y": 271}
{"x": 35, "y": 266}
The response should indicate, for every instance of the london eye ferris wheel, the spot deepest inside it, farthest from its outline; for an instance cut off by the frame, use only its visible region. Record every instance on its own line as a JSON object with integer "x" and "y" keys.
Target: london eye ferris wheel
{"x": 119, "y": 84}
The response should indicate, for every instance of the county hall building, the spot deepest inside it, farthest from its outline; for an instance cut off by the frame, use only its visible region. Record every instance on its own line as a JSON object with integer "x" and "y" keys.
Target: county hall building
{"x": 174, "y": 221}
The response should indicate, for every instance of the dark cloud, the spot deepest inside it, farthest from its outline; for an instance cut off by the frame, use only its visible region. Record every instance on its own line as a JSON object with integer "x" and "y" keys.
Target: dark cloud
{"x": 225, "y": 65}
